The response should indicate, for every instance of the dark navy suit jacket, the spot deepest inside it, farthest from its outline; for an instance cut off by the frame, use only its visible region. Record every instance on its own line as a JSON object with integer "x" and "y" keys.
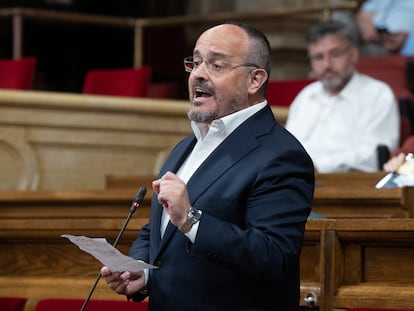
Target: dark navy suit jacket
{"x": 255, "y": 191}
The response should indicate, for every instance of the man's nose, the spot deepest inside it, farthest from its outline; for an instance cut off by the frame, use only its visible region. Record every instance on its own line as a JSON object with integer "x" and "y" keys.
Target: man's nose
{"x": 326, "y": 61}
{"x": 201, "y": 71}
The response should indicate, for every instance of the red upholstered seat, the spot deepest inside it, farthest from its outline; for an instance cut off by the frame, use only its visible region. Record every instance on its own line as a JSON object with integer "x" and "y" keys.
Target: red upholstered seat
{"x": 17, "y": 73}
{"x": 93, "y": 305}
{"x": 164, "y": 90}
{"x": 12, "y": 303}
{"x": 405, "y": 130}
{"x": 283, "y": 92}
{"x": 390, "y": 69}
{"x": 406, "y": 147}
{"x": 133, "y": 82}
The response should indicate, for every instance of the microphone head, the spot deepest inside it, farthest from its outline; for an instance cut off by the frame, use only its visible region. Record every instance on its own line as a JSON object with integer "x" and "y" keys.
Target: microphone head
{"x": 138, "y": 199}
{"x": 140, "y": 195}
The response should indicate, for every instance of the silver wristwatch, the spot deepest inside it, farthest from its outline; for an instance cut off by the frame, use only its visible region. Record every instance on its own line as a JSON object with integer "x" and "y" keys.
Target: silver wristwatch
{"x": 193, "y": 216}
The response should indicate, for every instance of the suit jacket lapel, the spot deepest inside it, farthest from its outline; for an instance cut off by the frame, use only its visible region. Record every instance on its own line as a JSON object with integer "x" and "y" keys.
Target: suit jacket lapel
{"x": 178, "y": 155}
{"x": 242, "y": 141}
{"x": 173, "y": 163}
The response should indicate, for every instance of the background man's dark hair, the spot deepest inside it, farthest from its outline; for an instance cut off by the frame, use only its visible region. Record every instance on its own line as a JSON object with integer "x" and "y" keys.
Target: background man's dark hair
{"x": 331, "y": 27}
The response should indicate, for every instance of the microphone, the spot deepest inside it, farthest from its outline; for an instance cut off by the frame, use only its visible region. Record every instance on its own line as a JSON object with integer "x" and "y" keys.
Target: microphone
{"x": 135, "y": 203}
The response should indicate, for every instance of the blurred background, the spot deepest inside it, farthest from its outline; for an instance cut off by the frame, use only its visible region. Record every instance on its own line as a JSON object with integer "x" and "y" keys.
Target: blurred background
{"x": 65, "y": 51}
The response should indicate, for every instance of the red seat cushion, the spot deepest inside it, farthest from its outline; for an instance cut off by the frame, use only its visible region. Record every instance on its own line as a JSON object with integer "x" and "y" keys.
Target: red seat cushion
{"x": 390, "y": 68}
{"x": 12, "y": 303}
{"x": 17, "y": 73}
{"x": 93, "y": 305}
{"x": 283, "y": 92}
{"x": 132, "y": 82}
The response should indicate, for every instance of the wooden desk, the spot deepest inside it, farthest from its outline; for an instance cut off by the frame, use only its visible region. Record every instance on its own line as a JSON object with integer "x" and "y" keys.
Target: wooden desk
{"x": 358, "y": 263}
{"x": 348, "y": 180}
{"x": 352, "y": 197}
{"x": 364, "y": 202}
{"x": 36, "y": 262}
{"x": 344, "y": 262}
{"x": 312, "y": 262}
{"x": 369, "y": 263}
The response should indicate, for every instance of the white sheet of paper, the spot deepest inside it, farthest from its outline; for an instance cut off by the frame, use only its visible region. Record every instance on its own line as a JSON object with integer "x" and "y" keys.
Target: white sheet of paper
{"x": 107, "y": 254}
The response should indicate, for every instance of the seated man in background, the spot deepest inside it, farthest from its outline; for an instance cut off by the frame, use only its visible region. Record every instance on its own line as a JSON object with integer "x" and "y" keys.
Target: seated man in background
{"x": 384, "y": 26}
{"x": 342, "y": 118}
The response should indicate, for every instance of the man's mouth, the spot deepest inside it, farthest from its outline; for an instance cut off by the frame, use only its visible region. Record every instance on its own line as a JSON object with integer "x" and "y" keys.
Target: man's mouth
{"x": 202, "y": 93}
{"x": 329, "y": 75}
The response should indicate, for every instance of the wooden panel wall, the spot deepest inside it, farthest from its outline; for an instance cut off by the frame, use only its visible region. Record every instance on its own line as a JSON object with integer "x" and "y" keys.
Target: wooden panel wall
{"x": 65, "y": 141}
{"x": 60, "y": 141}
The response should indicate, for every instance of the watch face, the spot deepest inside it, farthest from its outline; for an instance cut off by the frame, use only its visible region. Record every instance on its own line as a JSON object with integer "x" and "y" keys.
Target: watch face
{"x": 193, "y": 216}
{"x": 192, "y": 212}
{"x": 195, "y": 213}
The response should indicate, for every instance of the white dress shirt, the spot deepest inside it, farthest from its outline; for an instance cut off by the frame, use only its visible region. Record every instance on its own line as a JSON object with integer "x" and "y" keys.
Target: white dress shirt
{"x": 341, "y": 132}
{"x": 217, "y": 133}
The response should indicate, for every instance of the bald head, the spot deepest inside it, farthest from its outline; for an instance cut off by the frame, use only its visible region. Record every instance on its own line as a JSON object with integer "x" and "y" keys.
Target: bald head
{"x": 224, "y": 41}
{"x": 248, "y": 42}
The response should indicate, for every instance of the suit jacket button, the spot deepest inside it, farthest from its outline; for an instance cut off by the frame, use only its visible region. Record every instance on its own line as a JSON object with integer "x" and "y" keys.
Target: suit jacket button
{"x": 157, "y": 263}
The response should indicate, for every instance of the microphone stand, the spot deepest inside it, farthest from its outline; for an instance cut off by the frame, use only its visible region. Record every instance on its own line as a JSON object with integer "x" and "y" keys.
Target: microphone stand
{"x": 135, "y": 203}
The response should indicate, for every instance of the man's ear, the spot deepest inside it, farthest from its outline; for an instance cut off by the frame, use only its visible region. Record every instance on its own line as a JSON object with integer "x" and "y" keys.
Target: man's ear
{"x": 257, "y": 78}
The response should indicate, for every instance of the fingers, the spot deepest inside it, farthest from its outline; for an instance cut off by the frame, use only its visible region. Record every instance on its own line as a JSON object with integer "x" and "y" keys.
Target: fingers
{"x": 170, "y": 176}
{"x": 116, "y": 281}
{"x": 105, "y": 271}
{"x": 394, "y": 163}
{"x": 168, "y": 187}
{"x": 119, "y": 287}
{"x": 173, "y": 196}
{"x": 156, "y": 186}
